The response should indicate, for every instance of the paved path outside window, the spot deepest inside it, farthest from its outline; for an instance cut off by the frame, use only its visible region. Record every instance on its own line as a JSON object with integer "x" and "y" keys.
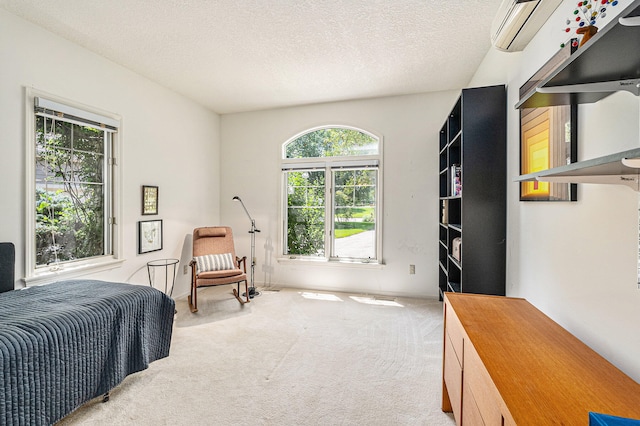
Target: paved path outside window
{"x": 360, "y": 245}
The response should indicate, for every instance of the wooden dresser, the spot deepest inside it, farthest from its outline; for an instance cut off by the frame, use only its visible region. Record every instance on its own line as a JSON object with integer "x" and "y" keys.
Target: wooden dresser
{"x": 506, "y": 363}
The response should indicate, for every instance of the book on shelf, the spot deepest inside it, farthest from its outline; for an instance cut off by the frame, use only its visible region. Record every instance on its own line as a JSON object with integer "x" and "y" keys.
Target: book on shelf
{"x": 456, "y": 180}
{"x": 445, "y": 212}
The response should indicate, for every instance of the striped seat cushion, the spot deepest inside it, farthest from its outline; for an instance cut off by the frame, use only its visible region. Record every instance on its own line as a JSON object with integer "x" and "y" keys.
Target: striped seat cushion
{"x": 215, "y": 262}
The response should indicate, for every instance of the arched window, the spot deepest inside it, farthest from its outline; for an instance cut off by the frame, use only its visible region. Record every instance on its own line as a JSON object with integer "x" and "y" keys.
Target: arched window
{"x": 331, "y": 178}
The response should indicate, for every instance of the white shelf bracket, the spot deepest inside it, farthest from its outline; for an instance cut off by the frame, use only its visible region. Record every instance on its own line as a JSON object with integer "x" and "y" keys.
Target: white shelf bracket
{"x": 629, "y": 181}
{"x": 633, "y": 163}
{"x": 631, "y": 21}
{"x": 631, "y": 86}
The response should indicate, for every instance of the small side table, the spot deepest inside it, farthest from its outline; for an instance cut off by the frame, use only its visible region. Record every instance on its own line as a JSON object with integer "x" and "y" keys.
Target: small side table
{"x": 164, "y": 263}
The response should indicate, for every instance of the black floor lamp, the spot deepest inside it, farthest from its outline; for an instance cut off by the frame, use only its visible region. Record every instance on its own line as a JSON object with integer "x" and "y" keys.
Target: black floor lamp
{"x": 252, "y": 289}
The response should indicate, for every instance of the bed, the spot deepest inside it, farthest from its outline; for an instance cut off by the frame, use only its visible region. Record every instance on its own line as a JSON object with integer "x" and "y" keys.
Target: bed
{"x": 65, "y": 343}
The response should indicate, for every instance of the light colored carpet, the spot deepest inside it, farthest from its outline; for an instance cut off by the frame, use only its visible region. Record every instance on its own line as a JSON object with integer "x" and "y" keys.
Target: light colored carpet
{"x": 288, "y": 358}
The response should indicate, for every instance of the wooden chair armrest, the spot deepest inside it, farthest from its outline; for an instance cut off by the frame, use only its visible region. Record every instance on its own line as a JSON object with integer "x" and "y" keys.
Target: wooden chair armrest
{"x": 242, "y": 260}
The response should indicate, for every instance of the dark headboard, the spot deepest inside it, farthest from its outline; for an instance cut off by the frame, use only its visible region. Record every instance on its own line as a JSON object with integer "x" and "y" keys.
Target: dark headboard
{"x": 7, "y": 266}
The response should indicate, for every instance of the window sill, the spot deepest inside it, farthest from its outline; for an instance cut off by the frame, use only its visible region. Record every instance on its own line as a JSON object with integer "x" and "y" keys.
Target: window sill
{"x": 48, "y": 276}
{"x": 308, "y": 261}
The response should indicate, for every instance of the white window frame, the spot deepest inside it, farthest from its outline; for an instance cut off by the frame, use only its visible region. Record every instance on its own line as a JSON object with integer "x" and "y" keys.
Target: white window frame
{"x": 71, "y": 269}
{"x": 330, "y": 164}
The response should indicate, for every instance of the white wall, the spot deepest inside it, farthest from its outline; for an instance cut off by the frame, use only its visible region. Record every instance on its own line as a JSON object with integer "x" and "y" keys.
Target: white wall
{"x": 576, "y": 261}
{"x": 251, "y": 149}
{"x": 168, "y": 141}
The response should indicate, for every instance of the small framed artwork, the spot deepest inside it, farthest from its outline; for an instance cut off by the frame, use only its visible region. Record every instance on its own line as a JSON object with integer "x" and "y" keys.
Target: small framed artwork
{"x": 149, "y": 236}
{"x": 149, "y": 200}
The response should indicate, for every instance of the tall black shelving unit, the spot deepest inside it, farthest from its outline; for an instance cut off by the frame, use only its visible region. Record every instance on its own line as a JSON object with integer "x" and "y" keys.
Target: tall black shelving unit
{"x": 473, "y": 141}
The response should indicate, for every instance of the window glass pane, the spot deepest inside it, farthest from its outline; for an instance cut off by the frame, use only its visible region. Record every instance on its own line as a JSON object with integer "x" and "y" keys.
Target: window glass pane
{"x": 355, "y": 213}
{"x": 52, "y": 164}
{"x": 87, "y": 167}
{"x": 57, "y": 134}
{"x": 69, "y": 224}
{"x": 333, "y": 142}
{"x": 305, "y": 212}
{"x": 70, "y": 208}
{"x": 88, "y": 139}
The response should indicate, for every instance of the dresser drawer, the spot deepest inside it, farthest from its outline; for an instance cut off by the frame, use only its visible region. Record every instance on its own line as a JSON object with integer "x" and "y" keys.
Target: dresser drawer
{"x": 453, "y": 379}
{"x": 453, "y": 329}
{"x": 471, "y": 413}
{"x": 479, "y": 384}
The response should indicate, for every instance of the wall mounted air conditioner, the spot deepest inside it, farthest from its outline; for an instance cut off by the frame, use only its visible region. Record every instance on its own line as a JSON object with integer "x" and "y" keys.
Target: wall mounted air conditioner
{"x": 517, "y": 21}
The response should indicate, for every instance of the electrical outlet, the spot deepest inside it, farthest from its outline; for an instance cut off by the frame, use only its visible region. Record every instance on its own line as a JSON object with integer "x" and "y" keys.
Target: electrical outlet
{"x": 412, "y": 269}
{"x": 185, "y": 269}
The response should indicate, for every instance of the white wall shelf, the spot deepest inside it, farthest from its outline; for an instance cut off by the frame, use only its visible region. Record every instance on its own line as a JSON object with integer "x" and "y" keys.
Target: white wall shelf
{"x": 615, "y": 168}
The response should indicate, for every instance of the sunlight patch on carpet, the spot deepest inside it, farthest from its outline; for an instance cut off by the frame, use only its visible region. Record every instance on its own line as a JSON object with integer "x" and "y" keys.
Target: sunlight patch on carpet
{"x": 376, "y": 301}
{"x": 320, "y": 296}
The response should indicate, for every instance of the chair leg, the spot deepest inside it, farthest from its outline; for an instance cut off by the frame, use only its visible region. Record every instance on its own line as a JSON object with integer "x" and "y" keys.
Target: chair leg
{"x": 246, "y": 288}
{"x": 236, "y": 293}
{"x": 193, "y": 299}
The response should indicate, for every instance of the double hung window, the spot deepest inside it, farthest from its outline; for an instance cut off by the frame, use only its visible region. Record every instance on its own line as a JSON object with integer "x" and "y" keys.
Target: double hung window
{"x": 71, "y": 193}
{"x": 332, "y": 196}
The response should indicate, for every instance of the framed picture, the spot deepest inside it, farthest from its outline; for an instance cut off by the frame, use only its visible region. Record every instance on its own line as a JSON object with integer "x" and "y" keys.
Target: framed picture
{"x": 548, "y": 139}
{"x": 149, "y": 200}
{"x": 149, "y": 236}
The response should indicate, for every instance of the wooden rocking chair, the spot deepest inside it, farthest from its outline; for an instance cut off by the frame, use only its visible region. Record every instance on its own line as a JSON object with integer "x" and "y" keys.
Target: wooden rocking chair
{"x": 215, "y": 263}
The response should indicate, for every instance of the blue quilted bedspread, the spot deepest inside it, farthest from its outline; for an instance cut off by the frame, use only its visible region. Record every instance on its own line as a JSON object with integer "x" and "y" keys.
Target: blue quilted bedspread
{"x": 65, "y": 343}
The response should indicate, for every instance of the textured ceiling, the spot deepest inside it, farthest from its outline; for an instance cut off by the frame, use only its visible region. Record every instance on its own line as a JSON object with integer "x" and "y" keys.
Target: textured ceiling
{"x": 242, "y": 55}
